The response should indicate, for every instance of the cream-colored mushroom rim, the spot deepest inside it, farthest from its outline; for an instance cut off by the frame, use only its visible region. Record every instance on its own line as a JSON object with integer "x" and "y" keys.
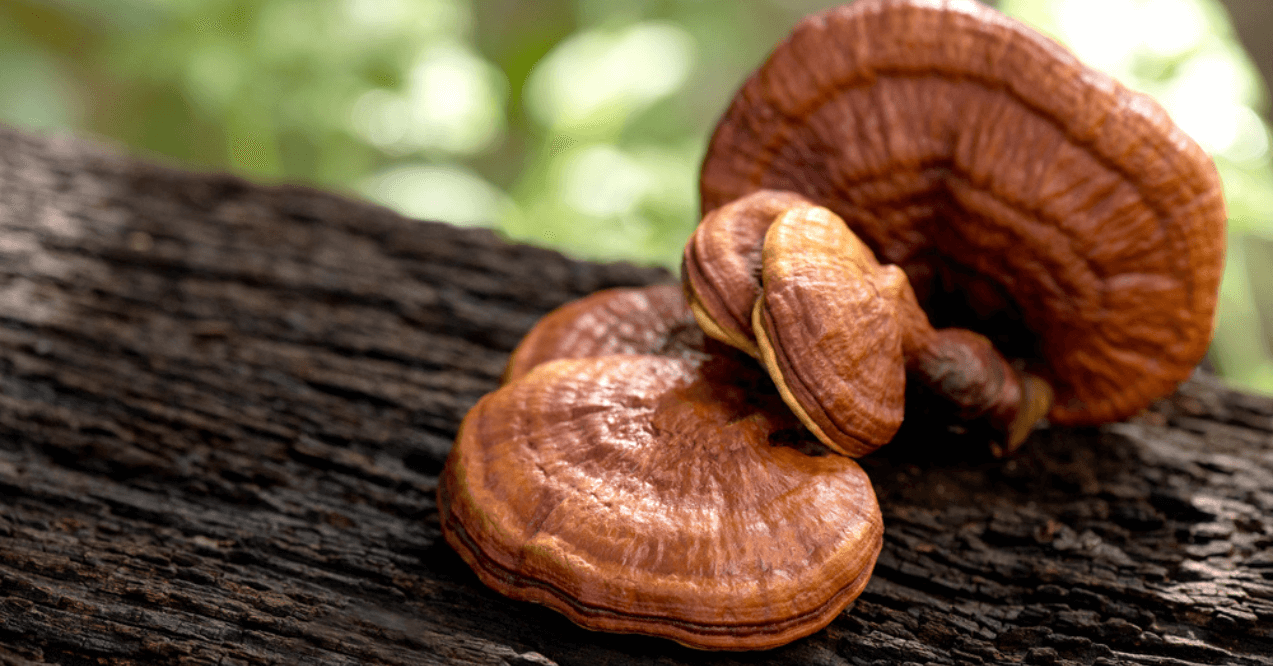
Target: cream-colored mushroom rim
{"x": 735, "y": 339}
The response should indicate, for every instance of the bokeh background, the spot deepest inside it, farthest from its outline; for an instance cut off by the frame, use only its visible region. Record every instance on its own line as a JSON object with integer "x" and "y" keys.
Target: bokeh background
{"x": 573, "y": 124}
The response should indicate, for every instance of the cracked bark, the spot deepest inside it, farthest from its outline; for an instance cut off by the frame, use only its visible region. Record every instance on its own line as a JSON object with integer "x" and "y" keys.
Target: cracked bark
{"x": 223, "y": 409}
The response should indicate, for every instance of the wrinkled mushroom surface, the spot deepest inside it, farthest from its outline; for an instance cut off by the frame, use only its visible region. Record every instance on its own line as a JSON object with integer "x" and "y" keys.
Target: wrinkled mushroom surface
{"x": 836, "y": 328}
{"x": 624, "y": 320}
{"x": 652, "y": 494}
{"x": 827, "y": 325}
{"x": 721, "y": 265}
{"x": 638, "y": 477}
{"x": 1027, "y": 197}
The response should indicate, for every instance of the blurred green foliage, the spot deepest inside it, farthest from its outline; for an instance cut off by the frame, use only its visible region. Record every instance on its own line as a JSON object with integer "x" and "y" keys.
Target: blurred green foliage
{"x": 575, "y": 124}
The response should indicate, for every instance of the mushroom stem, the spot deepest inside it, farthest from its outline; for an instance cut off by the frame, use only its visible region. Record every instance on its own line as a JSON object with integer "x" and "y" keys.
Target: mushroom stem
{"x": 964, "y": 368}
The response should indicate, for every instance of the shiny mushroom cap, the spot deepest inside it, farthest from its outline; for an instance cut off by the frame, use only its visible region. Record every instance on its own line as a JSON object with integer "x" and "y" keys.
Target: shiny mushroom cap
{"x": 655, "y": 495}
{"x": 1027, "y": 197}
{"x": 829, "y": 331}
{"x": 638, "y": 477}
{"x": 623, "y": 320}
{"x": 720, "y": 267}
{"x": 835, "y": 328}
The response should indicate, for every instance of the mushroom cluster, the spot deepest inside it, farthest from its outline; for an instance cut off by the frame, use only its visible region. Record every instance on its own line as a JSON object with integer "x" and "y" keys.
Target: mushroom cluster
{"x": 915, "y": 193}
{"x": 789, "y": 283}
{"x": 637, "y": 477}
{"x": 1026, "y": 197}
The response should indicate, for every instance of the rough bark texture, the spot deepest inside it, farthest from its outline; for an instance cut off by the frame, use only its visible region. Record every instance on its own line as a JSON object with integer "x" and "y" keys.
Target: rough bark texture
{"x": 223, "y": 409}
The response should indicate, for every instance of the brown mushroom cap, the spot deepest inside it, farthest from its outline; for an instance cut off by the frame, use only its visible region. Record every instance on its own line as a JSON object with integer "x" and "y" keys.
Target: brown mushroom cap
{"x": 721, "y": 265}
{"x": 625, "y": 320}
{"x": 828, "y": 330}
{"x": 1082, "y": 229}
{"x": 644, "y": 494}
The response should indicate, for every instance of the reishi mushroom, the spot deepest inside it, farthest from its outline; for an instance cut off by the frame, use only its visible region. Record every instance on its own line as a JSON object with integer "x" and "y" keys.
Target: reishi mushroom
{"x": 639, "y": 477}
{"x": 720, "y": 267}
{"x": 836, "y": 329}
{"x": 638, "y": 492}
{"x": 1026, "y": 196}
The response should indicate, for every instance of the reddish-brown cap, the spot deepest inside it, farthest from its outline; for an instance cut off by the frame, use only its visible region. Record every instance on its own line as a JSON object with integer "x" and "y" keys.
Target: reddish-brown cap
{"x": 828, "y": 329}
{"x": 1080, "y": 229}
{"x": 721, "y": 264}
{"x": 654, "y": 495}
{"x": 624, "y": 320}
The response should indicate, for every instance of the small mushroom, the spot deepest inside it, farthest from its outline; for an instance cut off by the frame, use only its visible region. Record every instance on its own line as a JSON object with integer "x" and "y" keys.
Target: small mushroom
{"x": 721, "y": 265}
{"x": 827, "y": 323}
{"x": 658, "y": 495}
{"x": 1027, "y": 197}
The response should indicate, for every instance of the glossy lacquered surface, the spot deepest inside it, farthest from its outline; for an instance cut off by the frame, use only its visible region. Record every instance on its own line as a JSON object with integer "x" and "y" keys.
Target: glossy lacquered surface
{"x": 659, "y": 495}
{"x": 644, "y": 320}
{"x": 721, "y": 264}
{"x": 994, "y": 168}
{"x": 640, "y": 477}
{"x": 828, "y": 327}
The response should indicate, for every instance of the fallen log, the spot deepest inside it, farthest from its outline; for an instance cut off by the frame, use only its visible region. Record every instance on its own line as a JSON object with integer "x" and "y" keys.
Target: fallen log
{"x": 224, "y": 407}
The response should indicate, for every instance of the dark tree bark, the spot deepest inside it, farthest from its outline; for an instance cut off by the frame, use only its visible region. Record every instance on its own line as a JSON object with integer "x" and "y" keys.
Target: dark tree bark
{"x": 223, "y": 409}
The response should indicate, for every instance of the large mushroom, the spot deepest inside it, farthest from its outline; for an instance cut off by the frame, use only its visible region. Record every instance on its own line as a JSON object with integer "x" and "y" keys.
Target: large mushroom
{"x": 671, "y": 495}
{"x": 1026, "y": 197}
